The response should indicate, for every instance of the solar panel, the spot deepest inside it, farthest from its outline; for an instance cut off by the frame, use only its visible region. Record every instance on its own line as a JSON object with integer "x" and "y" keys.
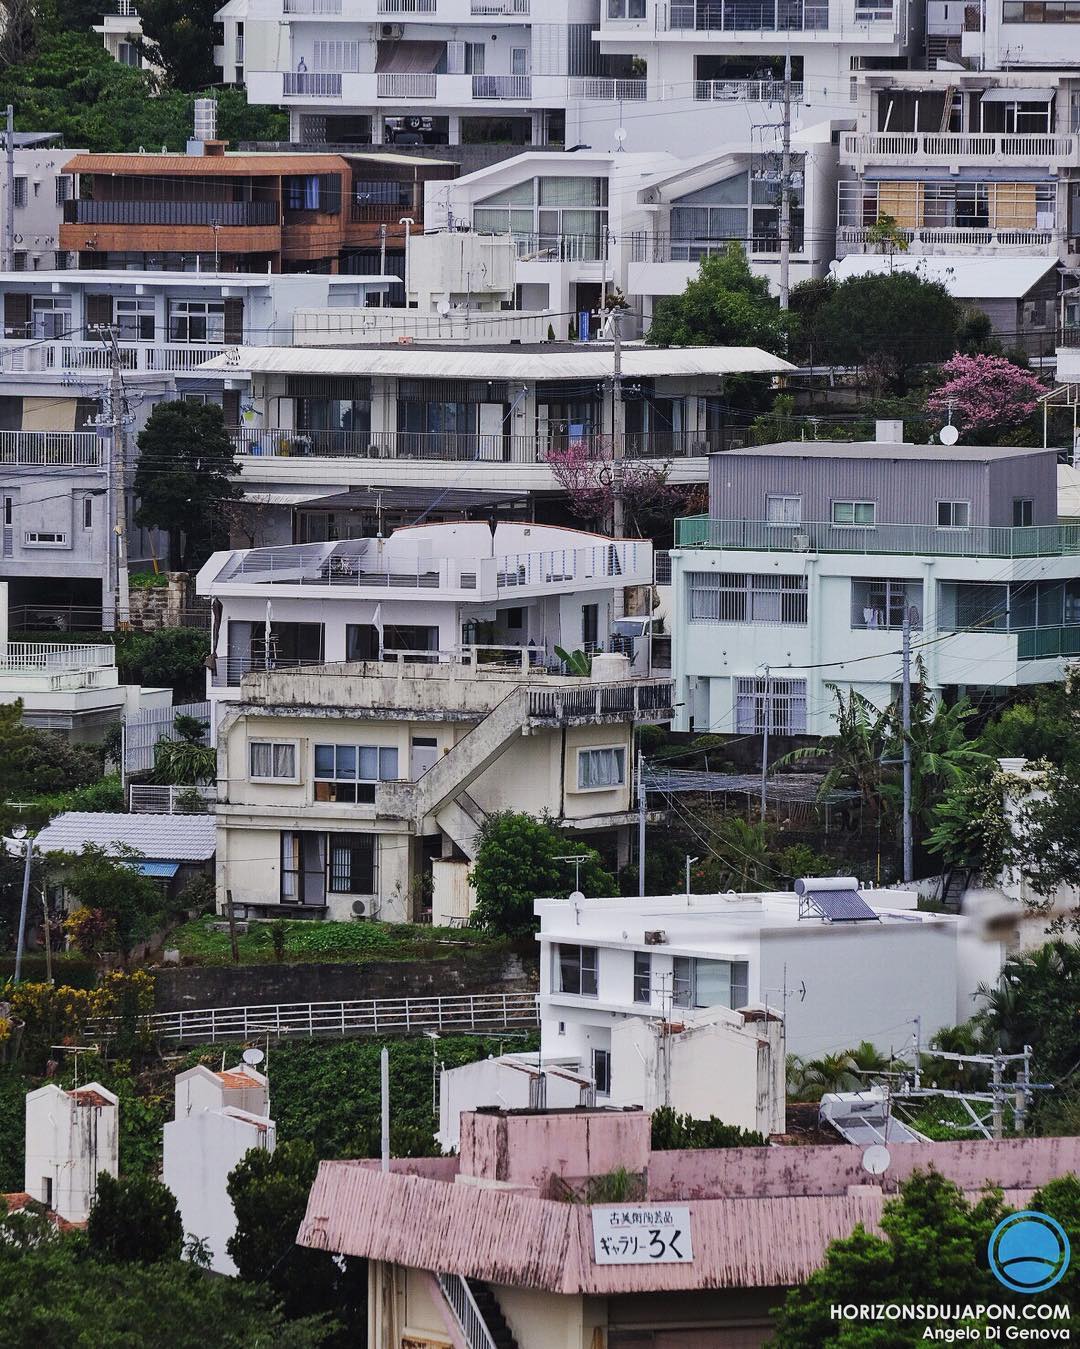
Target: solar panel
{"x": 840, "y": 906}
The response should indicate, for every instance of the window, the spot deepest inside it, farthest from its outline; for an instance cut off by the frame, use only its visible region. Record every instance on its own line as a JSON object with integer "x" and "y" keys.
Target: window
{"x": 330, "y": 55}
{"x": 576, "y": 967}
{"x": 127, "y": 54}
{"x": 601, "y": 1071}
{"x": 734, "y": 597}
{"x": 783, "y": 510}
{"x": 599, "y": 769}
{"x": 590, "y": 626}
{"x": 642, "y": 976}
{"x": 784, "y": 700}
{"x": 46, "y": 1191}
{"x": 39, "y": 538}
{"x": 88, "y": 513}
{"x": 135, "y": 319}
{"x": 710, "y": 983}
{"x": 272, "y": 759}
{"x": 953, "y": 514}
{"x": 519, "y": 60}
{"x": 626, "y": 9}
{"x": 50, "y": 315}
{"x": 1041, "y": 11}
{"x": 348, "y": 773}
{"x": 1023, "y": 512}
{"x": 196, "y": 321}
{"x": 885, "y": 603}
{"x": 63, "y": 188}
{"x": 19, "y": 194}
{"x": 853, "y": 512}
{"x": 350, "y": 864}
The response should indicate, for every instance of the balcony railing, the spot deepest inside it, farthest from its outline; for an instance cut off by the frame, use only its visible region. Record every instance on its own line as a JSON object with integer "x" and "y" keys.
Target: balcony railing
{"x": 701, "y": 531}
{"x": 746, "y": 91}
{"x": 855, "y": 236}
{"x": 497, "y": 7}
{"x": 381, "y": 212}
{"x": 600, "y": 90}
{"x": 70, "y": 357}
{"x": 55, "y": 658}
{"x": 314, "y": 84}
{"x": 952, "y": 146}
{"x": 749, "y": 16}
{"x": 463, "y": 448}
{"x": 407, "y": 6}
{"x": 516, "y": 87}
{"x": 393, "y": 84}
{"x": 665, "y": 248}
{"x": 209, "y": 213}
{"x": 311, "y": 7}
{"x": 629, "y": 698}
{"x": 1046, "y": 643}
{"x": 147, "y": 799}
{"x": 48, "y": 449}
{"x": 231, "y": 669}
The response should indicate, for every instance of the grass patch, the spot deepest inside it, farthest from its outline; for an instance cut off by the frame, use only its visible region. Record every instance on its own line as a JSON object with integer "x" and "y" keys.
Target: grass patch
{"x": 305, "y": 940}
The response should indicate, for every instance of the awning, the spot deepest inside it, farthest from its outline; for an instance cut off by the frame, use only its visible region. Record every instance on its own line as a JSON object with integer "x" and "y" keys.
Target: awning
{"x": 163, "y": 871}
{"x": 256, "y": 497}
{"x": 1001, "y": 94}
{"x": 408, "y": 58}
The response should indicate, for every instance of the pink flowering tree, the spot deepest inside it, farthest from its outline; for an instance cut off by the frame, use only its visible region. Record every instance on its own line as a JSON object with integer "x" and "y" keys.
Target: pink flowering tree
{"x": 985, "y": 393}
{"x": 585, "y": 470}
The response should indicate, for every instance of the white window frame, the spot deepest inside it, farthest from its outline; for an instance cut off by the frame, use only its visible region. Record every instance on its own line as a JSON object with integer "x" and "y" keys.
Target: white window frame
{"x": 952, "y": 505}
{"x": 357, "y": 779}
{"x": 293, "y": 745}
{"x": 741, "y": 597}
{"x": 45, "y": 538}
{"x": 854, "y": 522}
{"x": 785, "y": 503}
{"x": 593, "y": 969}
{"x": 618, "y": 750}
{"x": 133, "y": 309}
{"x": 182, "y": 312}
{"x": 643, "y": 957}
{"x": 601, "y": 1058}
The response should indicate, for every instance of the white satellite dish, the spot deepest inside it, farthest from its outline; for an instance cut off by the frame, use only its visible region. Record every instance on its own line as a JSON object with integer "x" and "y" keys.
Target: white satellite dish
{"x": 876, "y": 1159}
{"x": 253, "y": 1057}
{"x": 577, "y": 897}
{"x": 949, "y": 435}
{"x": 620, "y": 136}
{"x": 444, "y": 308}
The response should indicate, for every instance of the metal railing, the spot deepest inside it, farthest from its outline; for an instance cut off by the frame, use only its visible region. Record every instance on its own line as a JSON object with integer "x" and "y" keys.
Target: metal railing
{"x": 561, "y": 247}
{"x": 749, "y": 16}
{"x": 311, "y": 84}
{"x": 502, "y": 86}
{"x": 692, "y": 248}
{"x": 396, "y": 84}
{"x": 1046, "y": 643}
{"x": 953, "y": 236}
{"x": 746, "y": 91}
{"x": 406, "y": 6}
{"x": 143, "y": 731}
{"x": 367, "y": 1016}
{"x": 956, "y": 145}
{"x": 64, "y": 357}
{"x": 147, "y": 799}
{"x": 311, "y": 7}
{"x": 631, "y": 698}
{"x": 209, "y": 213}
{"x": 41, "y": 449}
{"x": 497, "y": 7}
{"x": 599, "y": 89}
{"x": 55, "y": 658}
{"x": 230, "y": 670}
{"x": 701, "y": 531}
{"x": 381, "y": 212}
{"x": 466, "y": 1313}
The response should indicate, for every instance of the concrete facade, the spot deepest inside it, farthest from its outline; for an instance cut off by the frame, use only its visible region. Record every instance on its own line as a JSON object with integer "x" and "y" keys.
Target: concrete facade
{"x": 71, "y": 1137}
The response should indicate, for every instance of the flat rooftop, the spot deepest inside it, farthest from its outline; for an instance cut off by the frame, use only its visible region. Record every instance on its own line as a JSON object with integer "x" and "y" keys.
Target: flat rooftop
{"x": 884, "y": 449}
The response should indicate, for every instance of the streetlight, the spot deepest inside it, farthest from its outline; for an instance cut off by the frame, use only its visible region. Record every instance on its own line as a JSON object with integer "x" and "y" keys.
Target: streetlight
{"x": 20, "y": 833}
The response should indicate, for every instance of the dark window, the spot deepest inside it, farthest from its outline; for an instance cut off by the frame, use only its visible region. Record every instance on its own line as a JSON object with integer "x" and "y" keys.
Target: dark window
{"x": 1023, "y": 512}
{"x": 642, "y": 976}
{"x": 590, "y": 625}
{"x": 710, "y": 983}
{"x": 349, "y": 772}
{"x": 601, "y": 1071}
{"x": 351, "y": 864}
{"x": 577, "y": 970}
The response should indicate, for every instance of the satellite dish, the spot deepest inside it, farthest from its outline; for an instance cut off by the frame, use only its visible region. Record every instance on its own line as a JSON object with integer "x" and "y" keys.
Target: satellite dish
{"x": 577, "y": 897}
{"x": 876, "y": 1159}
{"x": 253, "y": 1057}
{"x": 949, "y": 435}
{"x": 620, "y": 136}
{"x": 444, "y": 308}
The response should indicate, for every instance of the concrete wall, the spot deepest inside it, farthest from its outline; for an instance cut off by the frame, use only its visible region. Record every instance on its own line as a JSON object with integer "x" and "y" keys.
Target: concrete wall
{"x": 528, "y": 1149}
{"x": 71, "y": 1137}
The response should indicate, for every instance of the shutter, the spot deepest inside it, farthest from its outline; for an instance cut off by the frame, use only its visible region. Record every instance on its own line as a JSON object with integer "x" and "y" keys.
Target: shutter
{"x": 330, "y": 193}
{"x": 234, "y": 321}
{"x": 1013, "y": 206}
{"x": 455, "y": 58}
{"x": 903, "y": 201}
{"x": 99, "y": 313}
{"x": 16, "y": 314}
{"x": 230, "y": 406}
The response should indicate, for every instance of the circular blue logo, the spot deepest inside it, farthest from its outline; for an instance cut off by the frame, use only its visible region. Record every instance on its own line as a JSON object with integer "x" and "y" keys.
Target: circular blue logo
{"x": 1029, "y": 1252}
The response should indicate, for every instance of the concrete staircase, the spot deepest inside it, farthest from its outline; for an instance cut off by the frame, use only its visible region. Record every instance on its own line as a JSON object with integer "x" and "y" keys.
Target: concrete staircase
{"x": 460, "y": 820}
{"x": 488, "y": 1304}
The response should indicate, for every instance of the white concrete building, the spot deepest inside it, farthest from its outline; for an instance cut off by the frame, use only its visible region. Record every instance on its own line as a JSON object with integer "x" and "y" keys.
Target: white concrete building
{"x": 41, "y": 187}
{"x": 219, "y": 1118}
{"x": 71, "y": 1137}
{"x": 815, "y": 552}
{"x": 122, "y": 33}
{"x": 606, "y": 961}
{"x": 512, "y": 1082}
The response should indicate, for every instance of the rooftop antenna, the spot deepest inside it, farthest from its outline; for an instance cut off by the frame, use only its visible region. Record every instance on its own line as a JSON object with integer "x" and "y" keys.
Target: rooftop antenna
{"x": 620, "y": 139}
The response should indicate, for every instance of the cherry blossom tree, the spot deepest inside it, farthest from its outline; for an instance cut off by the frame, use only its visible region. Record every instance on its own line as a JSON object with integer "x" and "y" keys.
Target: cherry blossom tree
{"x": 985, "y": 393}
{"x": 586, "y": 472}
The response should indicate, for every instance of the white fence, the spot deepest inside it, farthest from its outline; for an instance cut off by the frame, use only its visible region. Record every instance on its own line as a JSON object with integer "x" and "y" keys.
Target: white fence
{"x": 147, "y": 799}
{"x": 143, "y": 730}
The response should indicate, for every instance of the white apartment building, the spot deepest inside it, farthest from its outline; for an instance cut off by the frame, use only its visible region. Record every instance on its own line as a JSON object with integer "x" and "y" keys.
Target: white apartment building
{"x": 41, "y": 187}
{"x": 865, "y": 973}
{"x": 815, "y": 553}
{"x": 633, "y": 74}
{"x": 122, "y": 33}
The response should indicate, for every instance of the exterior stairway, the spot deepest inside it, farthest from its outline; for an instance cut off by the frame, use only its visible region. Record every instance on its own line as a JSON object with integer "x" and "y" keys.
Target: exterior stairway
{"x": 488, "y": 1305}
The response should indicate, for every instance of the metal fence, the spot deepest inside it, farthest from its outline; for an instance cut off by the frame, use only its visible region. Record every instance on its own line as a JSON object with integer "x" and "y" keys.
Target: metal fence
{"x": 148, "y": 799}
{"x": 143, "y": 731}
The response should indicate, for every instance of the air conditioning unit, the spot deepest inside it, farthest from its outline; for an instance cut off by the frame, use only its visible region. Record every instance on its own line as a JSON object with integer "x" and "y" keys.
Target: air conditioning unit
{"x": 658, "y": 937}
{"x": 360, "y": 908}
{"x": 800, "y": 543}
{"x": 391, "y": 32}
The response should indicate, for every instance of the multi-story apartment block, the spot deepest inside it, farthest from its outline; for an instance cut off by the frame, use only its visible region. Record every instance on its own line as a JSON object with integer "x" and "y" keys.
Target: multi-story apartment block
{"x": 218, "y": 211}
{"x": 122, "y": 35}
{"x": 815, "y": 554}
{"x": 644, "y": 74}
{"x": 41, "y": 187}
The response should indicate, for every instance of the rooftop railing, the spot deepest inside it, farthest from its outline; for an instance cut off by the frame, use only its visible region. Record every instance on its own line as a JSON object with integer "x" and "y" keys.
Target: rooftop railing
{"x": 55, "y": 657}
{"x": 956, "y": 146}
{"x": 751, "y": 16}
{"x": 701, "y": 531}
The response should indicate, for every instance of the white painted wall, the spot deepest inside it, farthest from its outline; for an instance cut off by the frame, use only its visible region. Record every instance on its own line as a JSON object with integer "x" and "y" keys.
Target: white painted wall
{"x": 70, "y": 1140}
{"x": 503, "y": 1082}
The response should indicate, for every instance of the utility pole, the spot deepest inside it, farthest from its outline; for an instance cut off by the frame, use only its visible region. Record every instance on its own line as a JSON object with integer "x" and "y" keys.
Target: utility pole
{"x": 9, "y": 211}
{"x": 766, "y": 719}
{"x": 641, "y": 824}
{"x": 382, "y": 263}
{"x": 217, "y": 256}
{"x": 785, "y": 191}
{"x": 689, "y": 862}
{"x": 909, "y": 870}
{"x": 997, "y": 1104}
{"x": 618, "y": 423}
{"x": 118, "y": 524}
{"x": 28, "y": 846}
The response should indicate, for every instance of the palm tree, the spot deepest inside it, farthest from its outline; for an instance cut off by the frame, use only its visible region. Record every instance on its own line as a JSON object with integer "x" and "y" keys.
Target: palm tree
{"x": 855, "y": 752}
{"x": 868, "y": 1059}
{"x": 830, "y": 1073}
{"x": 943, "y": 757}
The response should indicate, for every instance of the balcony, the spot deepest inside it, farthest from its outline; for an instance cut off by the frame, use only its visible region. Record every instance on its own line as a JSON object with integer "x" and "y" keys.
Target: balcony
{"x": 407, "y": 6}
{"x": 66, "y": 358}
{"x": 51, "y": 449}
{"x": 460, "y": 448}
{"x": 749, "y": 16}
{"x": 209, "y": 213}
{"x": 496, "y": 8}
{"x": 665, "y": 248}
{"x": 394, "y": 84}
{"x": 919, "y": 148}
{"x": 315, "y": 7}
{"x": 1048, "y": 643}
{"x": 317, "y": 84}
{"x": 761, "y": 536}
{"x": 515, "y": 87}
{"x": 599, "y": 90}
{"x": 489, "y": 659}
{"x": 746, "y": 91}
{"x": 28, "y": 668}
{"x": 948, "y": 240}
{"x": 636, "y": 700}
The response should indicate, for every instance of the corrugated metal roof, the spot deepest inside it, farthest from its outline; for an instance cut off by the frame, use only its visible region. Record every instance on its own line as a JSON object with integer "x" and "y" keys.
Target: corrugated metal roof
{"x": 160, "y": 871}
{"x": 174, "y": 838}
{"x": 988, "y": 276}
{"x": 242, "y": 164}
{"x": 883, "y": 449}
{"x": 508, "y": 363}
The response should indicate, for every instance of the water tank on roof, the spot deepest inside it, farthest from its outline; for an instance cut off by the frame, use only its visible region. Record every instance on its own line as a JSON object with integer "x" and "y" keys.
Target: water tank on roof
{"x": 1068, "y": 365}
{"x": 609, "y": 665}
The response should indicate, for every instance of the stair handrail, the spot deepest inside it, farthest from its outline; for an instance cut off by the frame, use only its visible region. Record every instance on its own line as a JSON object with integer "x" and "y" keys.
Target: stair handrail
{"x": 470, "y": 1319}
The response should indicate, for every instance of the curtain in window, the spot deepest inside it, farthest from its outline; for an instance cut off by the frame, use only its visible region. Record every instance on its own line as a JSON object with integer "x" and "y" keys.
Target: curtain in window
{"x": 600, "y": 768}
{"x": 712, "y": 983}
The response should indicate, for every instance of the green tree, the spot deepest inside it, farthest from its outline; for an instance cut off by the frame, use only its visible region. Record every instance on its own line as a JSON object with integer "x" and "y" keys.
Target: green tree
{"x": 933, "y": 1249}
{"x": 269, "y": 1193}
{"x": 944, "y": 758}
{"x": 134, "y": 1218}
{"x": 516, "y": 863}
{"x": 887, "y": 235}
{"x": 179, "y": 36}
{"x": 742, "y": 856}
{"x": 1036, "y": 1001}
{"x": 808, "y": 298}
{"x": 891, "y": 324}
{"x": 672, "y": 1132}
{"x": 34, "y": 762}
{"x": 724, "y": 305}
{"x": 186, "y": 761}
{"x": 854, "y": 753}
{"x": 166, "y": 657}
{"x": 112, "y": 887}
{"x": 968, "y": 827}
{"x": 184, "y": 478}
